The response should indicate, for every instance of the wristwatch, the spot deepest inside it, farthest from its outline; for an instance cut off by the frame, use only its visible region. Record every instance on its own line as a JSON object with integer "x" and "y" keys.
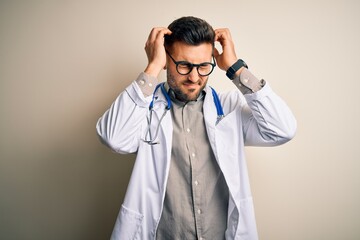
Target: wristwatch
{"x": 230, "y": 73}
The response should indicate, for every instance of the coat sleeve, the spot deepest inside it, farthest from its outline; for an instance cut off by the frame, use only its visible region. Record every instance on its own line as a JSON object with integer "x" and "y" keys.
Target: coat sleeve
{"x": 266, "y": 119}
{"x": 121, "y": 126}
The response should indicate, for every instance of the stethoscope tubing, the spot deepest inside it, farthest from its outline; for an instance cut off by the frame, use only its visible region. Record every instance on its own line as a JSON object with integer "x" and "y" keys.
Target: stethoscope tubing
{"x": 151, "y": 141}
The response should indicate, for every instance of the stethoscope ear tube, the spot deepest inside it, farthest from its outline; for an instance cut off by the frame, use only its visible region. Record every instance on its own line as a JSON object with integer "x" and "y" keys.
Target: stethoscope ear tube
{"x": 168, "y": 99}
{"x": 151, "y": 105}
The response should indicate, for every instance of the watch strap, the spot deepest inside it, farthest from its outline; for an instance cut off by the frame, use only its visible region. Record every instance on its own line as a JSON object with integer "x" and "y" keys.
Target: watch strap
{"x": 230, "y": 73}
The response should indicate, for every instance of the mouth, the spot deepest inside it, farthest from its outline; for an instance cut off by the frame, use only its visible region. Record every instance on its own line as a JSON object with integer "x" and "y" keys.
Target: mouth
{"x": 190, "y": 84}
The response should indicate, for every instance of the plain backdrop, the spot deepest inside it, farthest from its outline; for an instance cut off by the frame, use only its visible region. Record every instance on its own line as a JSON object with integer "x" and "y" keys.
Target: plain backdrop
{"x": 63, "y": 62}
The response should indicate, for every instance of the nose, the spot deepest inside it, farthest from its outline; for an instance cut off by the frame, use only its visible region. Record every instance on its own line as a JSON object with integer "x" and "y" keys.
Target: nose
{"x": 193, "y": 75}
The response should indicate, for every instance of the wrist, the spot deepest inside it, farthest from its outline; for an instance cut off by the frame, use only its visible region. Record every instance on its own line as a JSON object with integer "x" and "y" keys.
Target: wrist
{"x": 236, "y": 69}
{"x": 153, "y": 70}
{"x": 238, "y": 72}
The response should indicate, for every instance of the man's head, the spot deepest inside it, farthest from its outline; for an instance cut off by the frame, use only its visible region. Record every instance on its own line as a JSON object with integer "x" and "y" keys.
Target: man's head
{"x": 191, "y": 41}
{"x": 191, "y": 31}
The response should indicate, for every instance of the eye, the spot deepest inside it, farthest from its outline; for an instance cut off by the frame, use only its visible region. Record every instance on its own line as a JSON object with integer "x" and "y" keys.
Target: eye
{"x": 205, "y": 66}
{"x": 185, "y": 65}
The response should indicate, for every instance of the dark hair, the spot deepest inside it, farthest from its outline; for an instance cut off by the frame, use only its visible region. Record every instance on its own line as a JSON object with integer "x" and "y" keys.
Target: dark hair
{"x": 190, "y": 30}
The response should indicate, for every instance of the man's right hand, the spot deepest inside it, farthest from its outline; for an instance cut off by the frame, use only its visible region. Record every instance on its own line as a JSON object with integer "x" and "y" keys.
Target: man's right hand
{"x": 155, "y": 51}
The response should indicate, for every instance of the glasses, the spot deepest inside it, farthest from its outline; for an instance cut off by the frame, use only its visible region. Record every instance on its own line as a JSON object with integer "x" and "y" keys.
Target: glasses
{"x": 184, "y": 67}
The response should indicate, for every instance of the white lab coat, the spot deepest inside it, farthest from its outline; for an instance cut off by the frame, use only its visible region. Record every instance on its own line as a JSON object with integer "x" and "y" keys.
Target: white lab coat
{"x": 258, "y": 119}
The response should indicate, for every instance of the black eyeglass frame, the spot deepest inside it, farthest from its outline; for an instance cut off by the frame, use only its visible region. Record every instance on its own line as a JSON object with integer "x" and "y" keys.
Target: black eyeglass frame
{"x": 192, "y": 65}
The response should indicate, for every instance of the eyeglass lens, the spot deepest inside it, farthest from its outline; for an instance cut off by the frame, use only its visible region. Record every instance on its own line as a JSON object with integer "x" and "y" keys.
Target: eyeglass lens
{"x": 203, "y": 69}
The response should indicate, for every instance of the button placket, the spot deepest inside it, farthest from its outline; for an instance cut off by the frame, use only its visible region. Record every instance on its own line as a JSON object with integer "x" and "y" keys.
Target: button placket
{"x": 188, "y": 122}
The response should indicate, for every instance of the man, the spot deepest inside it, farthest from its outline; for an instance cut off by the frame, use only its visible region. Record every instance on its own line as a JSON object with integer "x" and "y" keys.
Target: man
{"x": 190, "y": 178}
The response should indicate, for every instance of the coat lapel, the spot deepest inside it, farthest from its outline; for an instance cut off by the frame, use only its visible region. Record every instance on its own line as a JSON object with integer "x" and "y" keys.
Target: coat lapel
{"x": 210, "y": 117}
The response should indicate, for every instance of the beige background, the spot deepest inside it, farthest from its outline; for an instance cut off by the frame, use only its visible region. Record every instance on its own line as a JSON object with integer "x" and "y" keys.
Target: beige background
{"x": 63, "y": 62}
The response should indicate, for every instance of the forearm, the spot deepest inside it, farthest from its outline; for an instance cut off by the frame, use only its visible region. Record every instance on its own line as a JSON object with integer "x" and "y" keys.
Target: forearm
{"x": 146, "y": 83}
{"x": 246, "y": 82}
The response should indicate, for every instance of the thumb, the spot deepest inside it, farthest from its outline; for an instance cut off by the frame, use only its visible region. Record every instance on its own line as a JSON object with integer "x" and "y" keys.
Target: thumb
{"x": 216, "y": 52}
{"x": 218, "y": 58}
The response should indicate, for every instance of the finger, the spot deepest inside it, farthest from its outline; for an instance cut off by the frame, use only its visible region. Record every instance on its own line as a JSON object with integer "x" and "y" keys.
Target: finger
{"x": 154, "y": 33}
{"x": 222, "y": 34}
{"x": 219, "y": 38}
{"x": 161, "y": 34}
{"x": 156, "y": 36}
{"x": 225, "y": 40}
{"x": 166, "y": 31}
{"x": 216, "y": 53}
{"x": 222, "y": 30}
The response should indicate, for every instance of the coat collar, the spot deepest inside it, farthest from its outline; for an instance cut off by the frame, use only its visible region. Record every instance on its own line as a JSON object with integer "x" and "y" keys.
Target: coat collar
{"x": 209, "y": 108}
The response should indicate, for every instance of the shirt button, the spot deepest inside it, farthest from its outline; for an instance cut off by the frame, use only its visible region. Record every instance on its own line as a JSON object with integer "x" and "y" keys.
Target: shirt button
{"x": 196, "y": 183}
{"x": 142, "y": 82}
{"x": 246, "y": 80}
{"x": 199, "y": 211}
{"x": 150, "y": 84}
{"x": 188, "y": 130}
{"x": 193, "y": 155}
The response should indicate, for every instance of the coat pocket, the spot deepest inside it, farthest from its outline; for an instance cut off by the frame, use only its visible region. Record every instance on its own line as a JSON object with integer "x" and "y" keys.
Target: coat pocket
{"x": 128, "y": 225}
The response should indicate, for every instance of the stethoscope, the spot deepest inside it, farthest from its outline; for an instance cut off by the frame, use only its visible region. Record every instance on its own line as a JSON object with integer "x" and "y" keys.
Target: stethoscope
{"x": 151, "y": 140}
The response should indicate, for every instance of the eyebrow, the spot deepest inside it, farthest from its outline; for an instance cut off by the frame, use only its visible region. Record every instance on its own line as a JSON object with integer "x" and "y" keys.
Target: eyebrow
{"x": 196, "y": 64}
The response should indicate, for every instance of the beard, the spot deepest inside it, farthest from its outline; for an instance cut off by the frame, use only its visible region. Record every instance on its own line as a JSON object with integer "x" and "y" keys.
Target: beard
{"x": 191, "y": 95}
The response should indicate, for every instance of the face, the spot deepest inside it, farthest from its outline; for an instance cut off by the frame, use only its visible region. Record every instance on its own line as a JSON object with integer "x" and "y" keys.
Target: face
{"x": 188, "y": 87}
